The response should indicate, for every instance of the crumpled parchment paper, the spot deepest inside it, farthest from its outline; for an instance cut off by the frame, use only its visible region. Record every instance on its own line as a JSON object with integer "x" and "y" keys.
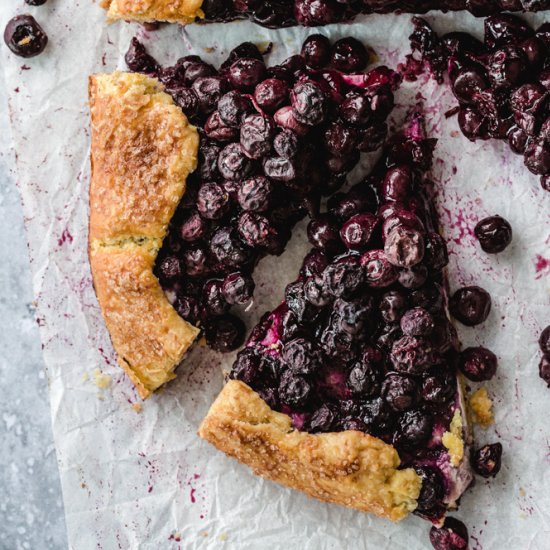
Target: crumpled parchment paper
{"x": 137, "y": 476}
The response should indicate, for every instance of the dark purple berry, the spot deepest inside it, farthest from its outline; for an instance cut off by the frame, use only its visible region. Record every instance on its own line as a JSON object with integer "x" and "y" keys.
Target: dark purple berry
{"x": 294, "y": 390}
{"x": 323, "y": 234}
{"x": 170, "y": 268}
{"x": 233, "y": 164}
{"x": 438, "y": 389}
{"x": 378, "y": 271}
{"x": 349, "y": 55}
{"x": 470, "y": 305}
{"x": 35, "y": 2}
{"x": 400, "y": 392}
{"x": 138, "y": 60}
{"x": 296, "y": 301}
{"x": 414, "y": 429}
{"x": 432, "y": 491}
{"x": 195, "y": 261}
{"x": 507, "y": 66}
{"x": 316, "y": 51}
{"x": 537, "y": 157}
{"x": 343, "y": 276}
{"x": 216, "y": 129}
{"x": 257, "y": 134}
{"x": 478, "y": 363}
{"x": 315, "y": 293}
{"x": 213, "y": 297}
{"x": 245, "y": 49}
{"x": 397, "y": 184}
{"x": 505, "y": 29}
{"x": 233, "y": 107}
{"x": 309, "y": 103}
{"x": 322, "y": 420}
{"x": 286, "y": 144}
{"x": 225, "y": 333}
{"x": 340, "y": 139}
{"x": 468, "y": 83}
{"x": 245, "y": 73}
{"x": 255, "y": 194}
{"x": 187, "y": 308}
{"x": 486, "y": 461}
{"x": 301, "y": 356}
{"x": 364, "y": 379}
{"x": 452, "y": 536}
{"x": 246, "y": 366}
{"x": 413, "y": 278}
{"x": 544, "y": 341}
{"x": 24, "y": 36}
{"x": 392, "y": 306}
{"x": 209, "y": 90}
{"x": 436, "y": 255}
{"x": 212, "y": 201}
{"x": 404, "y": 247}
{"x": 357, "y": 231}
{"x": 255, "y": 230}
{"x": 353, "y": 316}
{"x": 227, "y": 248}
{"x": 473, "y": 124}
{"x": 494, "y": 234}
{"x": 197, "y": 69}
{"x": 270, "y": 94}
{"x": 238, "y": 288}
{"x": 412, "y": 355}
{"x": 544, "y": 369}
{"x": 417, "y": 322}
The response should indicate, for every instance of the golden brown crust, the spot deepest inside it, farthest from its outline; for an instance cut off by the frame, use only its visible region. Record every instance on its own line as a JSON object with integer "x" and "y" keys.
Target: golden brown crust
{"x": 348, "y": 468}
{"x": 143, "y": 149}
{"x": 173, "y": 11}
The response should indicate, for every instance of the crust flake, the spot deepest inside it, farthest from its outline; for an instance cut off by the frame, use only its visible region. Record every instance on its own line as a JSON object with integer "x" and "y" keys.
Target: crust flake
{"x": 143, "y": 149}
{"x": 348, "y": 468}
{"x": 172, "y": 11}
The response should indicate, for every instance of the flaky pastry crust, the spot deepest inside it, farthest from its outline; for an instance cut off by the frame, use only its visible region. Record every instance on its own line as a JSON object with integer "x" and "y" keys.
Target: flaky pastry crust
{"x": 348, "y": 468}
{"x": 142, "y": 151}
{"x": 172, "y": 11}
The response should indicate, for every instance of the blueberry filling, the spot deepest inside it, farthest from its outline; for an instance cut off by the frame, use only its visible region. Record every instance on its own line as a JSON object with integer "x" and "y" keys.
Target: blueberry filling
{"x": 353, "y": 348}
{"x": 452, "y": 536}
{"x": 274, "y": 140}
{"x": 503, "y": 88}
{"x": 285, "y": 13}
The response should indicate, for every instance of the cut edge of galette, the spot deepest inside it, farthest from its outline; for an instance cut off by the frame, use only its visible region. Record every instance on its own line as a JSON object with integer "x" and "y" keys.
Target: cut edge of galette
{"x": 349, "y": 390}
{"x": 142, "y": 150}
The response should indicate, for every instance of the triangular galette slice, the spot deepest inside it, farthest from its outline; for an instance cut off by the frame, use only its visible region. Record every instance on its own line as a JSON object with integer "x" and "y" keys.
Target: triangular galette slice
{"x": 349, "y": 390}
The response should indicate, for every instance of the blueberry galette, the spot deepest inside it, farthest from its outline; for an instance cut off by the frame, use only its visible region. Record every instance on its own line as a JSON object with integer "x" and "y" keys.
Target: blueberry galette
{"x": 350, "y": 389}
{"x": 285, "y": 13}
{"x": 269, "y": 143}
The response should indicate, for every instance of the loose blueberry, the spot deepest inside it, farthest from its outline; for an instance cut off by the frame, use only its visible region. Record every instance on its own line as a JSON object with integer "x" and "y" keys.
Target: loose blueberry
{"x": 478, "y": 363}
{"x": 452, "y": 536}
{"x": 470, "y": 305}
{"x": 238, "y": 288}
{"x": 24, "y": 36}
{"x": 316, "y": 51}
{"x": 486, "y": 461}
{"x": 225, "y": 333}
{"x": 544, "y": 341}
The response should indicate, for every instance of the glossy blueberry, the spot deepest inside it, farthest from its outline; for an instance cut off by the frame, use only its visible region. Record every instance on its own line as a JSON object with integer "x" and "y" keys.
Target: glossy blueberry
{"x": 138, "y": 60}
{"x": 213, "y": 297}
{"x": 378, "y": 271}
{"x": 393, "y": 305}
{"x": 400, "y": 392}
{"x": 470, "y": 305}
{"x": 246, "y": 366}
{"x": 233, "y": 164}
{"x": 486, "y": 461}
{"x": 544, "y": 341}
{"x": 238, "y": 288}
{"x": 433, "y": 488}
{"x": 494, "y": 234}
{"x": 270, "y": 94}
{"x": 255, "y": 194}
{"x": 452, "y": 536}
{"x": 417, "y": 322}
{"x": 349, "y": 55}
{"x": 257, "y": 133}
{"x": 24, "y": 36}
{"x": 212, "y": 201}
{"x": 478, "y": 363}
{"x": 316, "y": 51}
{"x": 209, "y": 90}
{"x": 227, "y": 248}
{"x": 343, "y": 276}
{"x": 357, "y": 231}
{"x": 301, "y": 356}
{"x": 544, "y": 369}
{"x": 170, "y": 268}
{"x": 412, "y": 355}
{"x": 294, "y": 390}
{"x": 404, "y": 247}
{"x": 233, "y": 107}
{"x": 286, "y": 144}
{"x": 309, "y": 103}
{"x": 322, "y": 420}
{"x": 225, "y": 333}
{"x": 245, "y": 73}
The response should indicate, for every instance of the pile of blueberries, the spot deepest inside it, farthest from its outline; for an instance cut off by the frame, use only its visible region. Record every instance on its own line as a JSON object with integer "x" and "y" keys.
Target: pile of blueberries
{"x": 285, "y": 13}
{"x": 273, "y": 140}
{"x": 502, "y": 84}
{"x": 362, "y": 340}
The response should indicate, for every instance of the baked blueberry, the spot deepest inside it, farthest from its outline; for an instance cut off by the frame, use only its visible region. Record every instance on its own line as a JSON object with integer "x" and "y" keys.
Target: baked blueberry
{"x": 452, "y": 536}
{"x": 470, "y": 305}
{"x": 494, "y": 234}
{"x": 24, "y": 36}
{"x": 486, "y": 461}
{"x": 478, "y": 363}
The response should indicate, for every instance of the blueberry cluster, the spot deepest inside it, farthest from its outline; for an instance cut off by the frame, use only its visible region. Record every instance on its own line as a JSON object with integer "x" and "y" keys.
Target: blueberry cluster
{"x": 285, "y": 13}
{"x": 273, "y": 141}
{"x": 502, "y": 84}
{"x": 362, "y": 340}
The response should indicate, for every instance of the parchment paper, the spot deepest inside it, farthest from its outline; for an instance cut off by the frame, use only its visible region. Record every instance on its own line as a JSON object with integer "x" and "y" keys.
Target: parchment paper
{"x": 144, "y": 479}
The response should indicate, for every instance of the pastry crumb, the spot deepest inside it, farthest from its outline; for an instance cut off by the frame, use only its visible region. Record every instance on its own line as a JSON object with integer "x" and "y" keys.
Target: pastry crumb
{"x": 136, "y": 407}
{"x": 521, "y": 492}
{"x": 481, "y": 406}
{"x": 203, "y": 533}
{"x": 223, "y": 537}
{"x": 102, "y": 381}
{"x": 85, "y": 377}
{"x": 202, "y": 342}
{"x": 453, "y": 441}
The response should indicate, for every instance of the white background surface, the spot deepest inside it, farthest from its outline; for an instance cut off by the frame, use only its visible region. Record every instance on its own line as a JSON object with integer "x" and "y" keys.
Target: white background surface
{"x": 144, "y": 480}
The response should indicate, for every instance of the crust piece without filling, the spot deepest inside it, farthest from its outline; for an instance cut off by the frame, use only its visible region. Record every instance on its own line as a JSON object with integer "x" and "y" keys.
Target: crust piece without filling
{"x": 172, "y": 11}
{"x": 142, "y": 151}
{"x": 348, "y": 468}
